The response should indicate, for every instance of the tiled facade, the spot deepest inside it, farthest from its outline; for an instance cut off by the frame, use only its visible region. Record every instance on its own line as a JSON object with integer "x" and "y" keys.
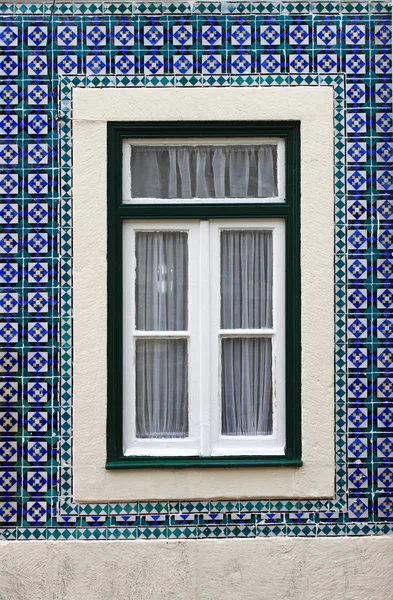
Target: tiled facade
{"x": 46, "y": 50}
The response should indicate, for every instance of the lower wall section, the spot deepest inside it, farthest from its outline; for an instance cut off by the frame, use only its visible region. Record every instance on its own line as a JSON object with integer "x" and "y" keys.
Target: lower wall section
{"x": 259, "y": 569}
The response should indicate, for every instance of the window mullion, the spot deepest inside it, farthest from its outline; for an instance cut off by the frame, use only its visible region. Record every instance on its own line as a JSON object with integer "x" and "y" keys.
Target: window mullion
{"x": 204, "y": 337}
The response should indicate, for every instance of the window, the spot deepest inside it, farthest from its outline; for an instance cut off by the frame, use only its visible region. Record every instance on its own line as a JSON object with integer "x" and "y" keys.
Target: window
{"x": 203, "y": 294}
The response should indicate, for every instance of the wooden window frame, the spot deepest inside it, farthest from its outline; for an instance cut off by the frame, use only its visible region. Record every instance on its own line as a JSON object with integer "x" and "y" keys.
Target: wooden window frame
{"x": 289, "y": 210}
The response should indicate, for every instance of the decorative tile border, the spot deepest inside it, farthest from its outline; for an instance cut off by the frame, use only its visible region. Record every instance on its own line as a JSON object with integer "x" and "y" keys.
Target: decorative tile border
{"x": 44, "y": 53}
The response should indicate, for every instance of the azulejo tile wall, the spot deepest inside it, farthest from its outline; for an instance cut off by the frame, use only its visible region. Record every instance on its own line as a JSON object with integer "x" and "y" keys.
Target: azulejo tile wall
{"x": 46, "y": 50}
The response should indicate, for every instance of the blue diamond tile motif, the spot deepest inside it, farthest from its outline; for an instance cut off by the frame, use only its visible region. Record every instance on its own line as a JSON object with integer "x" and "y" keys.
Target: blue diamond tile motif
{"x": 8, "y": 124}
{"x": 67, "y": 64}
{"x": 357, "y": 418}
{"x": 124, "y": 35}
{"x": 355, "y": 64}
{"x": 355, "y": 35}
{"x": 8, "y": 36}
{"x": 384, "y": 122}
{"x": 9, "y": 65}
{"x": 384, "y": 269}
{"x": 385, "y": 478}
{"x": 8, "y": 154}
{"x": 8, "y": 362}
{"x": 38, "y": 302}
{"x": 357, "y": 180}
{"x": 125, "y": 64}
{"x": 8, "y": 332}
{"x": 270, "y": 63}
{"x": 37, "y": 94}
{"x": 270, "y": 35}
{"x": 38, "y": 154}
{"x": 38, "y": 332}
{"x": 383, "y": 93}
{"x": 8, "y": 95}
{"x": 37, "y": 392}
{"x": 96, "y": 35}
{"x": 8, "y": 392}
{"x": 96, "y": 64}
{"x": 8, "y": 272}
{"x": 298, "y": 34}
{"x": 37, "y": 362}
{"x": 385, "y": 358}
{"x": 241, "y": 35}
{"x": 37, "y": 36}
{"x": 358, "y": 478}
{"x": 183, "y": 64}
{"x": 8, "y": 243}
{"x": 182, "y": 35}
{"x": 326, "y": 35}
{"x": 67, "y": 35}
{"x": 37, "y": 452}
{"x": 357, "y": 298}
{"x": 9, "y": 303}
{"x": 9, "y": 214}
{"x": 383, "y": 64}
{"x": 37, "y": 272}
{"x": 153, "y": 64}
{"x": 37, "y": 124}
{"x": 356, "y": 93}
{"x": 384, "y": 298}
{"x": 241, "y": 63}
{"x": 327, "y": 63}
{"x": 357, "y": 152}
{"x": 37, "y": 481}
{"x": 8, "y": 481}
{"x": 357, "y": 447}
{"x": 384, "y": 328}
{"x": 153, "y": 36}
{"x": 385, "y": 417}
{"x": 384, "y": 152}
{"x": 357, "y": 328}
{"x": 37, "y": 183}
{"x": 211, "y": 35}
{"x": 383, "y": 34}
{"x": 211, "y": 63}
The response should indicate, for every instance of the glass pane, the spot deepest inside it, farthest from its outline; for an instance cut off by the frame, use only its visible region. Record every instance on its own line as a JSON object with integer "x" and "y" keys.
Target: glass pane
{"x": 161, "y": 388}
{"x": 246, "y": 279}
{"x": 209, "y": 171}
{"x": 161, "y": 287}
{"x": 246, "y": 387}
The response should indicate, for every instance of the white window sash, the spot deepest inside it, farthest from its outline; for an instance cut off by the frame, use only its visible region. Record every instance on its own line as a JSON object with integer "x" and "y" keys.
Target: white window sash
{"x": 274, "y": 444}
{"x": 126, "y": 179}
{"x": 204, "y": 343}
{"x": 132, "y": 445}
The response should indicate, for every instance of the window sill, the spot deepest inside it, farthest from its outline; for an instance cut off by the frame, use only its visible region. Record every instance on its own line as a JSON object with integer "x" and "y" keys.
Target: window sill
{"x": 180, "y": 462}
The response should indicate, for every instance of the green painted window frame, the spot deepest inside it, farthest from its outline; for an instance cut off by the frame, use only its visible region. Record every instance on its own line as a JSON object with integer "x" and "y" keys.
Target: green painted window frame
{"x": 289, "y": 210}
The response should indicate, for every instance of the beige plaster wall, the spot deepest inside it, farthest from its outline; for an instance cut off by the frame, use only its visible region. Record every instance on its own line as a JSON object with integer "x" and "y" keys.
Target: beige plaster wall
{"x": 259, "y": 569}
{"x": 92, "y": 109}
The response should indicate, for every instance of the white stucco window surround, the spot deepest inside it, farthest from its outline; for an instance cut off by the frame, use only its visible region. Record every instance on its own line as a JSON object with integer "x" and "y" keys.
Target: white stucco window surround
{"x": 92, "y": 109}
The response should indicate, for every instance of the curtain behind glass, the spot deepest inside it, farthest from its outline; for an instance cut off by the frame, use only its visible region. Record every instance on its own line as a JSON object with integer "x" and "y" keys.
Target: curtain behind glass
{"x": 246, "y": 386}
{"x": 246, "y": 279}
{"x": 161, "y": 388}
{"x": 161, "y": 294}
{"x": 161, "y": 288}
{"x": 243, "y": 171}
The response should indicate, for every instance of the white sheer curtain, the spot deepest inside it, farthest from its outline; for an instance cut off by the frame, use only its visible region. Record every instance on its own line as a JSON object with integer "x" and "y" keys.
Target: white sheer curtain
{"x": 209, "y": 171}
{"x": 161, "y": 288}
{"x": 161, "y": 388}
{"x": 246, "y": 386}
{"x": 161, "y": 305}
{"x": 246, "y": 279}
{"x": 246, "y": 303}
